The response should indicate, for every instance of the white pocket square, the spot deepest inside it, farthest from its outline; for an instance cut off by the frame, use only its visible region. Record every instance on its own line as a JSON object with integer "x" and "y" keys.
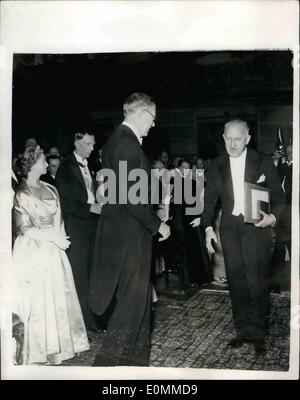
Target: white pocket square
{"x": 261, "y": 179}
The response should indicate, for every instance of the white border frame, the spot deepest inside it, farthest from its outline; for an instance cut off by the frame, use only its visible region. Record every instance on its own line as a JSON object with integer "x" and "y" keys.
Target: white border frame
{"x": 119, "y": 26}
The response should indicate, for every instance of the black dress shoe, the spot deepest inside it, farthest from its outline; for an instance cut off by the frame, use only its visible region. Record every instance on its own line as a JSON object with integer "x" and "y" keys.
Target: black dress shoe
{"x": 260, "y": 348}
{"x": 235, "y": 343}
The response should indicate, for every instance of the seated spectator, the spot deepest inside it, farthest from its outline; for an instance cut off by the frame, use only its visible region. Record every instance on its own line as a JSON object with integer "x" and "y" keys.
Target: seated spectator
{"x": 161, "y": 250}
{"x": 200, "y": 163}
{"x": 53, "y": 165}
{"x": 175, "y": 162}
{"x": 190, "y": 253}
{"x": 164, "y": 157}
{"x": 30, "y": 142}
{"x": 193, "y": 159}
{"x": 54, "y": 151}
{"x": 198, "y": 168}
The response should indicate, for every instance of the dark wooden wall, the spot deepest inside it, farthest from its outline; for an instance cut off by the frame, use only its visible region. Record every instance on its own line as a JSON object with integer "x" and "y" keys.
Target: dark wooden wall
{"x": 196, "y": 93}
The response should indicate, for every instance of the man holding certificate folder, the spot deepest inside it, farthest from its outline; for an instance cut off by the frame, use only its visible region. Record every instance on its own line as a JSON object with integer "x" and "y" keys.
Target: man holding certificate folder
{"x": 246, "y": 182}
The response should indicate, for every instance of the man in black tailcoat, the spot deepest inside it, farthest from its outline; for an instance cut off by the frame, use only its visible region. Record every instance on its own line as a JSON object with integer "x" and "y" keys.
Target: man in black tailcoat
{"x": 247, "y": 247}
{"x": 284, "y": 226}
{"x": 120, "y": 275}
{"x": 77, "y": 189}
{"x": 285, "y": 171}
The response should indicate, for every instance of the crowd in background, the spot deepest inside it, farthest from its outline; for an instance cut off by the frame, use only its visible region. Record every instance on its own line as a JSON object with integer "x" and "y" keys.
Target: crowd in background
{"x": 184, "y": 254}
{"x": 43, "y": 213}
{"x": 171, "y": 256}
{"x": 174, "y": 256}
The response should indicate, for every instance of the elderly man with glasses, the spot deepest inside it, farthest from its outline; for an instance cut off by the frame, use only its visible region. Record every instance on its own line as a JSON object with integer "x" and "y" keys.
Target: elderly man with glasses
{"x": 120, "y": 278}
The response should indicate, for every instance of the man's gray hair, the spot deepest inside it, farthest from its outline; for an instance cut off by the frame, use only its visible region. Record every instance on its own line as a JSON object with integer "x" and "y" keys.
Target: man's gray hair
{"x": 135, "y": 101}
{"x": 240, "y": 122}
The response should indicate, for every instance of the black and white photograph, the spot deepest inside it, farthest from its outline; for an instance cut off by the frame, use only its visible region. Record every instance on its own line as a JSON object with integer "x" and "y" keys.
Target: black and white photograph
{"x": 149, "y": 162}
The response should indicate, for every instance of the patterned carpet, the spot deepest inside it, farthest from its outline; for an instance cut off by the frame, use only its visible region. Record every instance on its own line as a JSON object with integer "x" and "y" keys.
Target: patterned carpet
{"x": 194, "y": 334}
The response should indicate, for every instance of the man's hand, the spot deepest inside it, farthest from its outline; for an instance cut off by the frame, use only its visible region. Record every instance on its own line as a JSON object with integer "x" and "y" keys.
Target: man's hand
{"x": 195, "y": 222}
{"x": 268, "y": 219}
{"x": 210, "y": 235}
{"x": 164, "y": 230}
{"x": 96, "y": 208}
{"x": 162, "y": 214}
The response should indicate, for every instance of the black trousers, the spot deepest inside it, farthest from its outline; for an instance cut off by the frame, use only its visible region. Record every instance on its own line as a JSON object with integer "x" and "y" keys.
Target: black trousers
{"x": 82, "y": 237}
{"x": 247, "y": 253}
{"x": 127, "y": 339}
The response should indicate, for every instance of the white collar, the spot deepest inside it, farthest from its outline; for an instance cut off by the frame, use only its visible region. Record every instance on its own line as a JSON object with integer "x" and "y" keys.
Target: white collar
{"x": 134, "y": 130}
{"x": 81, "y": 160}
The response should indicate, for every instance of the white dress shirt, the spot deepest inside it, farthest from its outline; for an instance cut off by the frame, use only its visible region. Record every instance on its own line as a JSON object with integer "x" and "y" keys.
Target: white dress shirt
{"x": 237, "y": 166}
{"x": 86, "y": 177}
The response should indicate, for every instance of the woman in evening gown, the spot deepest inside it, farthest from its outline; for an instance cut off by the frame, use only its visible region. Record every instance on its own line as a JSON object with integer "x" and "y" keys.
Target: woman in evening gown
{"x": 44, "y": 293}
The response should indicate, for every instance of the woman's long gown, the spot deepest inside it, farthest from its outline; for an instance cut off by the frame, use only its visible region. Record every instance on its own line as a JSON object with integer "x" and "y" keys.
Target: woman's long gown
{"x": 44, "y": 293}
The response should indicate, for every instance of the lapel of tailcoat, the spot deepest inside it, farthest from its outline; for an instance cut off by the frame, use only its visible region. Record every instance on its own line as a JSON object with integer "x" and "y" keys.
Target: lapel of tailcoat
{"x": 77, "y": 172}
{"x": 252, "y": 167}
{"x": 226, "y": 176}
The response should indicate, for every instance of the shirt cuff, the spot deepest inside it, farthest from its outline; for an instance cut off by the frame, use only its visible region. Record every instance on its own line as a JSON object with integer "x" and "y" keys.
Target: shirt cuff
{"x": 274, "y": 223}
{"x": 209, "y": 228}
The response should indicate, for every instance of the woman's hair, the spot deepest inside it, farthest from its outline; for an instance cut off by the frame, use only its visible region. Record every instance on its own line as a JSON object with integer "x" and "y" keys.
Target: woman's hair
{"x": 30, "y": 156}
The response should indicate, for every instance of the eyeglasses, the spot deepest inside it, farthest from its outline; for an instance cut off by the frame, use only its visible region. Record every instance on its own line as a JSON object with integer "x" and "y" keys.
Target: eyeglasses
{"x": 152, "y": 115}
